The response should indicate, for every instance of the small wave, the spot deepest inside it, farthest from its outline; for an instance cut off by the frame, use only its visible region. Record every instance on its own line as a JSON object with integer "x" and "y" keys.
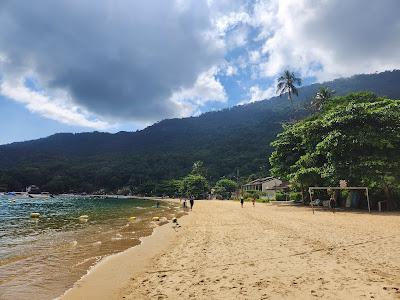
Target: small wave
{"x": 117, "y": 237}
{"x": 12, "y": 259}
{"x": 95, "y": 258}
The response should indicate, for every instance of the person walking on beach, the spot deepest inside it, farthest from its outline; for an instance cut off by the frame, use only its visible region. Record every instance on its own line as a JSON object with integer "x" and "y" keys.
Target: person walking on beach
{"x": 254, "y": 201}
{"x": 158, "y": 204}
{"x": 191, "y": 202}
{"x": 241, "y": 201}
{"x": 332, "y": 203}
{"x": 184, "y": 203}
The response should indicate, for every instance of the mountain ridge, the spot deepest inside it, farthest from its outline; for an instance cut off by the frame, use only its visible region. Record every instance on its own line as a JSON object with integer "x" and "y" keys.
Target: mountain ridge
{"x": 233, "y": 138}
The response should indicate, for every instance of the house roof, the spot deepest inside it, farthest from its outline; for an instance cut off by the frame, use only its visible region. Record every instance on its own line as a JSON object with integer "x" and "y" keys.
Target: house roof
{"x": 260, "y": 180}
{"x": 284, "y": 185}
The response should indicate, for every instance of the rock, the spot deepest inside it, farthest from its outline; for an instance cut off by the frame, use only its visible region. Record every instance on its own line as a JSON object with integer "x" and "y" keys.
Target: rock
{"x": 156, "y": 218}
{"x": 35, "y": 215}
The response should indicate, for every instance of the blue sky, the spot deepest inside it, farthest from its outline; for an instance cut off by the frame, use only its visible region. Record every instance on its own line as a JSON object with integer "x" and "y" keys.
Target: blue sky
{"x": 75, "y": 66}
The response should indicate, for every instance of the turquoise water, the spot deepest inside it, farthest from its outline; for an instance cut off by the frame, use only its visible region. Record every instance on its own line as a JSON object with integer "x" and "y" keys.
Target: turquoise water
{"x": 41, "y": 258}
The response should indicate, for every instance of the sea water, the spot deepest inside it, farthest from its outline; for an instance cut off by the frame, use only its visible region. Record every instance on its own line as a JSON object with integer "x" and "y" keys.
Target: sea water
{"x": 42, "y": 257}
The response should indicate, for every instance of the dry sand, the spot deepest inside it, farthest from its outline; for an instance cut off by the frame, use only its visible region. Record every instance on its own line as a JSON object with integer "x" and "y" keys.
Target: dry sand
{"x": 268, "y": 252}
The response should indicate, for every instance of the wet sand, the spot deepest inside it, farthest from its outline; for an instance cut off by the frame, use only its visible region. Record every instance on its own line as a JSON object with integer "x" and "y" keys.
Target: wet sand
{"x": 268, "y": 252}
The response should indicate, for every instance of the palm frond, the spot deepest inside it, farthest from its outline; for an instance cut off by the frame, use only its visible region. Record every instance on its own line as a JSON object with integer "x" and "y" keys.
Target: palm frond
{"x": 295, "y": 91}
{"x": 287, "y": 84}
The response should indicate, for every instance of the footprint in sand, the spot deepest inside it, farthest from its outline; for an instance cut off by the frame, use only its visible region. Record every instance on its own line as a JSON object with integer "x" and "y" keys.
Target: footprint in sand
{"x": 317, "y": 293}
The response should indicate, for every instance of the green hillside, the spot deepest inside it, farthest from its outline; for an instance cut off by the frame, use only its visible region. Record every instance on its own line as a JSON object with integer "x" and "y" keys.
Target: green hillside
{"x": 226, "y": 141}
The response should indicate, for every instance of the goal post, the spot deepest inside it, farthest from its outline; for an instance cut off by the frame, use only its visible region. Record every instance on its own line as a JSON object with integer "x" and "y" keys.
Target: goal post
{"x": 311, "y": 189}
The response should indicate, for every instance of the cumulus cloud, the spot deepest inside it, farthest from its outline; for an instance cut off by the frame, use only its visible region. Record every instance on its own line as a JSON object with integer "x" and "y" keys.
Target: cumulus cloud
{"x": 108, "y": 61}
{"x": 254, "y": 56}
{"x": 229, "y": 21}
{"x": 53, "y": 108}
{"x": 231, "y": 70}
{"x": 206, "y": 89}
{"x": 256, "y": 93}
{"x": 328, "y": 38}
{"x": 121, "y": 60}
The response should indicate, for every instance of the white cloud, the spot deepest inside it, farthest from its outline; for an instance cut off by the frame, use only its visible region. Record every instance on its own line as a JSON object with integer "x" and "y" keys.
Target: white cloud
{"x": 121, "y": 60}
{"x": 237, "y": 38}
{"x": 254, "y": 56}
{"x": 231, "y": 70}
{"x": 206, "y": 89}
{"x": 328, "y": 38}
{"x": 142, "y": 61}
{"x": 227, "y": 22}
{"x": 256, "y": 93}
{"x": 53, "y": 108}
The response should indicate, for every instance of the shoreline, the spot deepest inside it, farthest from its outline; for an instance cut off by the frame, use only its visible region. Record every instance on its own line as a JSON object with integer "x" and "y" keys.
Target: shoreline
{"x": 223, "y": 251}
{"x": 105, "y": 278}
{"x": 66, "y": 248}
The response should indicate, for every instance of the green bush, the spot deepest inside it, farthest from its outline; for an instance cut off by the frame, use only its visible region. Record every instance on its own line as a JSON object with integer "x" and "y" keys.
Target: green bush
{"x": 263, "y": 200}
{"x": 280, "y": 196}
{"x": 295, "y": 196}
{"x": 252, "y": 194}
{"x": 225, "y": 187}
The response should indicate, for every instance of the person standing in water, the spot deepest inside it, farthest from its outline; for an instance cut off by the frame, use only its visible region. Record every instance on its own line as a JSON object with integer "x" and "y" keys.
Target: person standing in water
{"x": 241, "y": 201}
{"x": 191, "y": 202}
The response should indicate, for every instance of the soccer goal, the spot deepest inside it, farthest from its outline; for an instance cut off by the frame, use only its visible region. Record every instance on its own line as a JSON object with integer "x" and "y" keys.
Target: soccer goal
{"x": 311, "y": 191}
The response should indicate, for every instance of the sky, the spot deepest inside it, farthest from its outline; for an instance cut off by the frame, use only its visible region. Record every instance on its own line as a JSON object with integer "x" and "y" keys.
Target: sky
{"x": 105, "y": 65}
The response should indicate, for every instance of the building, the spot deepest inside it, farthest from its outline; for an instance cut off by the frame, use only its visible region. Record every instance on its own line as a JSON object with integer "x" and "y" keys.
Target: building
{"x": 267, "y": 185}
{"x": 33, "y": 189}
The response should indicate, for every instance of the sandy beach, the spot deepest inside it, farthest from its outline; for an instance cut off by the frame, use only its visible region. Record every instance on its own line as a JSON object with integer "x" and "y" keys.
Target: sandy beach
{"x": 222, "y": 251}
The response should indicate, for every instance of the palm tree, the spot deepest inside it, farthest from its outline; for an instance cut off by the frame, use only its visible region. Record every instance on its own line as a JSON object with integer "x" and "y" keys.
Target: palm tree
{"x": 287, "y": 84}
{"x": 322, "y": 97}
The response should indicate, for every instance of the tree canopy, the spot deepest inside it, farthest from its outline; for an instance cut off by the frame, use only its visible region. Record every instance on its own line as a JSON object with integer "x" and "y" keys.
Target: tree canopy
{"x": 321, "y": 97}
{"x": 355, "y": 137}
{"x": 195, "y": 185}
{"x": 225, "y": 187}
{"x": 287, "y": 83}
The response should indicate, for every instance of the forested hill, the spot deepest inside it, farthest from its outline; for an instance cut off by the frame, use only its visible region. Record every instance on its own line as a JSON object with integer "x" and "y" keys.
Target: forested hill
{"x": 227, "y": 140}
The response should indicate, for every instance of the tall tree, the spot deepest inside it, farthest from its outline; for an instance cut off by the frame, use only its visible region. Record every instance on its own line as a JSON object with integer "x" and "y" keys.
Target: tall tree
{"x": 225, "y": 187}
{"x": 321, "y": 97}
{"x": 194, "y": 185}
{"x": 199, "y": 169}
{"x": 287, "y": 84}
{"x": 355, "y": 137}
